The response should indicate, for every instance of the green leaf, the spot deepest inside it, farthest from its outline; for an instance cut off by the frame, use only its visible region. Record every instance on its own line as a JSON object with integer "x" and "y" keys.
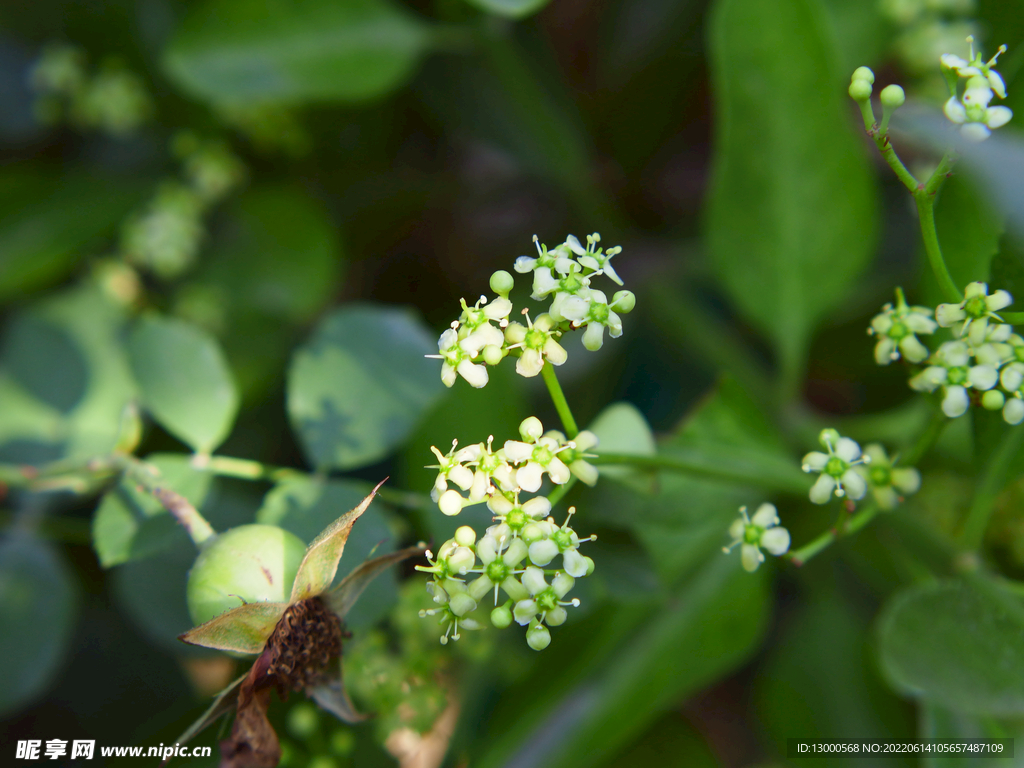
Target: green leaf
{"x": 244, "y": 629}
{"x": 621, "y": 428}
{"x": 513, "y": 9}
{"x": 130, "y": 524}
{"x": 957, "y": 646}
{"x": 344, "y": 596}
{"x": 689, "y": 516}
{"x": 37, "y": 614}
{"x": 65, "y": 379}
{"x": 47, "y": 219}
{"x": 358, "y": 388}
{"x": 185, "y": 381}
{"x": 791, "y": 212}
{"x": 318, "y": 567}
{"x": 260, "y": 51}
{"x": 940, "y": 723}
{"x": 820, "y": 679}
{"x": 605, "y": 699}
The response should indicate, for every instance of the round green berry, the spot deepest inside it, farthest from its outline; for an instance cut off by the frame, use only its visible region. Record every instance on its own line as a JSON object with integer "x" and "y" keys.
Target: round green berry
{"x": 248, "y": 564}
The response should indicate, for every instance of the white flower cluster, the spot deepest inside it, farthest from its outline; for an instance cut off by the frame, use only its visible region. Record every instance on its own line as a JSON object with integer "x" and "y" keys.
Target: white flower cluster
{"x": 971, "y": 110}
{"x": 509, "y": 561}
{"x": 498, "y": 476}
{"x": 483, "y": 335}
{"x": 165, "y": 237}
{"x": 112, "y": 100}
{"x": 984, "y": 354}
{"x": 846, "y": 471}
{"x": 524, "y": 538}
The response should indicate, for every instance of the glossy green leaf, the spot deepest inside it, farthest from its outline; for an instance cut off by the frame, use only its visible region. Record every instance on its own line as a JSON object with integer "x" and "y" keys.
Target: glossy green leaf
{"x": 791, "y": 211}
{"x": 37, "y": 614}
{"x": 708, "y": 626}
{"x": 45, "y": 221}
{"x": 358, "y": 388}
{"x": 255, "y": 51}
{"x": 130, "y": 524}
{"x": 957, "y": 646}
{"x": 185, "y": 381}
{"x": 65, "y": 379}
{"x": 244, "y": 629}
{"x": 513, "y": 9}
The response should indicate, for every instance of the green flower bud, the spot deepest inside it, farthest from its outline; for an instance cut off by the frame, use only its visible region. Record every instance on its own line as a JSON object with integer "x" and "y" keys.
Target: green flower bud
{"x": 860, "y": 90}
{"x": 493, "y": 354}
{"x": 502, "y": 282}
{"x": 465, "y": 536}
{"x": 864, "y": 74}
{"x": 892, "y": 96}
{"x": 993, "y": 400}
{"x": 501, "y": 617}
{"x": 248, "y": 564}
{"x": 537, "y": 636}
{"x": 623, "y": 301}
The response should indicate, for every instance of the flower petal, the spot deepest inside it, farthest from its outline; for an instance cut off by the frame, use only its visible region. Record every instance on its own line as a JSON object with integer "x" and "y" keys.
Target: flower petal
{"x": 766, "y": 516}
{"x": 821, "y": 491}
{"x": 776, "y": 541}
{"x": 955, "y": 401}
{"x": 751, "y": 557}
{"x": 847, "y": 449}
{"x": 854, "y": 484}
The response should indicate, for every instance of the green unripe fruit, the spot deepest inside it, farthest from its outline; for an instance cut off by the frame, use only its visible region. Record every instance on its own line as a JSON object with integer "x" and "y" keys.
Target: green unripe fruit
{"x": 892, "y": 96}
{"x": 860, "y": 90}
{"x": 248, "y": 564}
{"x": 538, "y": 637}
{"x": 501, "y": 617}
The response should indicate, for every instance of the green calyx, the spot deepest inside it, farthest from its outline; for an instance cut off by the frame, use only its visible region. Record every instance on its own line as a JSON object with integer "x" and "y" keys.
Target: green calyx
{"x": 497, "y": 571}
{"x": 897, "y": 331}
{"x": 836, "y": 467}
{"x": 516, "y": 519}
{"x": 562, "y": 539}
{"x": 752, "y": 534}
{"x": 976, "y": 307}
{"x": 956, "y": 376}
{"x": 881, "y": 477}
{"x": 546, "y": 600}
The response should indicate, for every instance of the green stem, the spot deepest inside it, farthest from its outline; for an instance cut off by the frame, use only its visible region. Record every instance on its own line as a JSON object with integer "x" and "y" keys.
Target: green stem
{"x": 559, "y": 493}
{"x": 989, "y": 487}
{"x": 925, "y": 199}
{"x": 927, "y": 439}
{"x": 148, "y": 477}
{"x": 246, "y": 469}
{"x": 885, "y": 147}
{"x": 854, "y": 524}
{"x": 698, "y": 464}
{"x": 558, "y": 398}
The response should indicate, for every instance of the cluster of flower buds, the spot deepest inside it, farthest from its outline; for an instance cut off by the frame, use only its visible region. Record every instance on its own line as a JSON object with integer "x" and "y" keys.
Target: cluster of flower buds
{"x": 165, "y": 237}
{"x": 846, "y": 471}
{"x": 484, "y": 334}
{"x": 509, "y": 560}
{"x": 498, "y": 476}
{"x": 970, "y": 110}
{"x": 112, "y": 100}
{"x": 984, "y": 363}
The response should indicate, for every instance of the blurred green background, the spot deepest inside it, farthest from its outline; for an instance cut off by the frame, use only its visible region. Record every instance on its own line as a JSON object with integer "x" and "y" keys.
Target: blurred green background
{"x": 379, "y": 161}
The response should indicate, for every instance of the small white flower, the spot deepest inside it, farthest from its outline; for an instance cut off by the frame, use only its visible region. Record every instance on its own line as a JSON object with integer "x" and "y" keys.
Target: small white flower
{"x": 837, "y": 470}
{"x": 538, "y": 456}
{"x": 972, "y": 111}
{"x": 757, "y": 533}
{"x": 886, "y": 481}
{"x": 974, "y": 311}
{"x": 950, "y": 369}
{"x": 896, "y": 329}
